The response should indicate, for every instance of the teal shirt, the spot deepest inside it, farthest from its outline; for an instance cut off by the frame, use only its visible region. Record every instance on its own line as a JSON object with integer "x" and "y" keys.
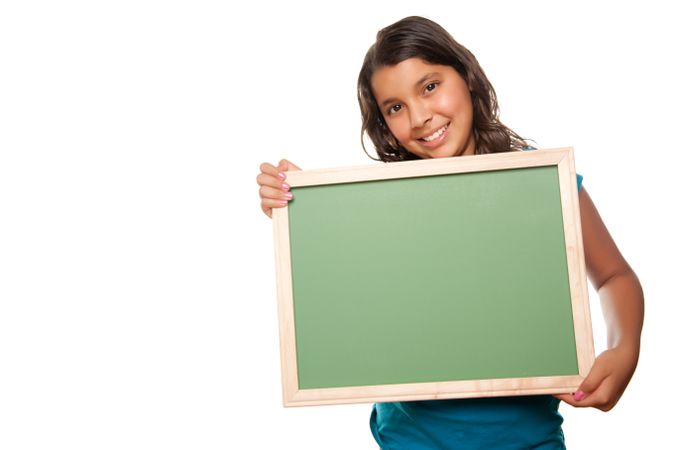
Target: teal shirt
{"x": 501, "y": 423}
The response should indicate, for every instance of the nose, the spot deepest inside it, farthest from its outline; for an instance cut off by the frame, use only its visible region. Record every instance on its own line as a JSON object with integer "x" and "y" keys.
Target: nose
{"x": 420, "y": 114}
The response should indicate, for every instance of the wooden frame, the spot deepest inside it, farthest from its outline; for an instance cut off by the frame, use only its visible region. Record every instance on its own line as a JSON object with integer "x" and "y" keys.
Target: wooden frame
{"x": 562, "y": 159}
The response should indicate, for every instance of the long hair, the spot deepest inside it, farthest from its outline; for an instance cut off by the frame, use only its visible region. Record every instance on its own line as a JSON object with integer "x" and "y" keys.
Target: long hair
{"x": 417, "y": 37}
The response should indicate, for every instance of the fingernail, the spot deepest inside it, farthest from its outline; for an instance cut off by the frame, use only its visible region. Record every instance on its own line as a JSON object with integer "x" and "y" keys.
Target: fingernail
{"x": 579, "y": 395}
{"x": 281, "y": 175}
{"x": 283, "y": 203}
{"x": 285, "y": 186}
{"x": 289, "y": 196}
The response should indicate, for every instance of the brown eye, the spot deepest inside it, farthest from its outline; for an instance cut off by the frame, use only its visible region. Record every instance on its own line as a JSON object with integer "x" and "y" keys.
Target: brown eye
{"x": 431, "y": 86}
{"x": 394, "y": 109}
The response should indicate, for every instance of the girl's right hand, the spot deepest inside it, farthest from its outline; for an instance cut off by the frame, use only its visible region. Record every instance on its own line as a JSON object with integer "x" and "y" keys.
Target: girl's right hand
{"x": 274, "y": 191}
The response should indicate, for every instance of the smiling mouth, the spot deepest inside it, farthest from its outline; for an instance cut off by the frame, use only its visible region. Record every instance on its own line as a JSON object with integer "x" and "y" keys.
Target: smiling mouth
{"x": 438, "y": 133}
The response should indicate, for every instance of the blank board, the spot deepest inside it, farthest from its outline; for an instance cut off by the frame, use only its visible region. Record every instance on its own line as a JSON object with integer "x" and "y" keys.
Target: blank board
{"x": 448, "y": 278}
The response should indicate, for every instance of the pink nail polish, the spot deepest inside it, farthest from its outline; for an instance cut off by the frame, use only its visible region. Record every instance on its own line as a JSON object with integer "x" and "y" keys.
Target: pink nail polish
{"x": 579, "y": 395}
{"x": 285, "y": 186}
{"x": 281, "y": 175}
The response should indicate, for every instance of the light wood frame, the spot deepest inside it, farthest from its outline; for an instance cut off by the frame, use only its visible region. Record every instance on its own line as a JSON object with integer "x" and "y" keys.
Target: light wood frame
{"x": 563, "y": 159}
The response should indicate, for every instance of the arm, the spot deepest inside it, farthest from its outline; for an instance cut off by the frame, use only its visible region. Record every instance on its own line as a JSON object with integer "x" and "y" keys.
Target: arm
{"x": 622, "y": 304}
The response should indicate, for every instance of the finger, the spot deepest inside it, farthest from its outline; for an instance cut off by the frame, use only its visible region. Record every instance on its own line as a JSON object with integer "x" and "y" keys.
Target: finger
{"x": 270, "y": 169}
{"x": 270, "y": 172}
{"x": 285, "y": 166}
{"x": 593, "y": 380}
{"x": 604, "y": 398}
{"x": 568, "y": 398}
{"x": 571, "y": 400}
{"x": 591, "y": 383}
{"x": 274, "y": 182}
{"x": 596, "y": 400}
{"x": 273, "y": 191}
{"x": 268, "y": 204}
{"x": 270, "y": 193}
{"x": 600, "y": 398}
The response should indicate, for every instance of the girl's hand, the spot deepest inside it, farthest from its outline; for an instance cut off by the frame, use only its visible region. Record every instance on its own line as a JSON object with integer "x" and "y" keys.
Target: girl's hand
{"x": 274, "y": 191}
{"x": 608, "y": 378}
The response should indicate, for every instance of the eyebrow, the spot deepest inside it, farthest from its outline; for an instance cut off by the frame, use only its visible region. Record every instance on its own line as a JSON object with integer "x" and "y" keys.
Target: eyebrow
{"x": 419, "y": 82}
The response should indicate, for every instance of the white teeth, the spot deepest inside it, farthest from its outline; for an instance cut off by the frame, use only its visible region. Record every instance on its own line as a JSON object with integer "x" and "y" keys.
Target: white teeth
{"x": 436, "y": 134}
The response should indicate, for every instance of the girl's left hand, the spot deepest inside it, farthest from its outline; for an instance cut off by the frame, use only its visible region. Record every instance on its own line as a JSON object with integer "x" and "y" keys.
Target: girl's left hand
{"x": 608, "y": 378}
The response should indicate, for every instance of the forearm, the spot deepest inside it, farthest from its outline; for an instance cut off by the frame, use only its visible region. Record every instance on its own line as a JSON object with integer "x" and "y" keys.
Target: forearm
{"x": 622, "y": 303}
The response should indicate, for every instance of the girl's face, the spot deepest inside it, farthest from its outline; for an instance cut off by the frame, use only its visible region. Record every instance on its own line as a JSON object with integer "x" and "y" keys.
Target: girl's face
{"x": 427, "y": 107}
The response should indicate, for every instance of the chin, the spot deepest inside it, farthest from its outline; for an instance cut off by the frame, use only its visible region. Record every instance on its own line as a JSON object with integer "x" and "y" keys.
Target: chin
{"x": 443, "y": 153}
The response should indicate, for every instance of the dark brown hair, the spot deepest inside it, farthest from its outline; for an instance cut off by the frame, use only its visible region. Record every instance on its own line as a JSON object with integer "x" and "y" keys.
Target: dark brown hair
{"x": 417, "y": 37}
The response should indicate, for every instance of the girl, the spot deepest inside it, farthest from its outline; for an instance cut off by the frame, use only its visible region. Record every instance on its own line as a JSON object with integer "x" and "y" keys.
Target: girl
{"x": 423, "y": 95}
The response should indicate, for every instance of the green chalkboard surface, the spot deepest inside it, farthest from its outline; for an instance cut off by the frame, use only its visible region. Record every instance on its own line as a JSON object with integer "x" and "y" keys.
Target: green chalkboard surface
{"x": 431, "y": 279}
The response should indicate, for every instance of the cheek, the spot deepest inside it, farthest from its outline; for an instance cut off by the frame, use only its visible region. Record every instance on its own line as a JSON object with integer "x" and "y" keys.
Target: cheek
{"x": 457, "y": 102}
{"x": 400, "y": 129}
{"x": 453, "y": 106}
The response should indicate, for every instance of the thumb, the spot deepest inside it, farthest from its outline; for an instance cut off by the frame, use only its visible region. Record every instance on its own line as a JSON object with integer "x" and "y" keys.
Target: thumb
{"x": 285, "y": 166}
{"x": 591, "y": 382}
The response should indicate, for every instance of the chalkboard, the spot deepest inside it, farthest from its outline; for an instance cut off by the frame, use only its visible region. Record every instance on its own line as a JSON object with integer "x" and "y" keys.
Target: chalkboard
{"x": 448, "y": 278}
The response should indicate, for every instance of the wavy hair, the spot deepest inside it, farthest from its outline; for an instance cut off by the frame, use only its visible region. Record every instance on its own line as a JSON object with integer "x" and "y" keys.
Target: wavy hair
{"x": 417, "y": 37}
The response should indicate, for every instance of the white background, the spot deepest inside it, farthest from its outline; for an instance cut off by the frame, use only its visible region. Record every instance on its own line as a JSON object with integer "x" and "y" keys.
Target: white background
{"x": 137, "y": 296}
